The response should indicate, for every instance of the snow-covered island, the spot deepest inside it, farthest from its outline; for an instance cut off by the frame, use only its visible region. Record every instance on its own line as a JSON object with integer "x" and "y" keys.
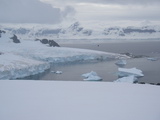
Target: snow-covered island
{"x": 29, "y": 57}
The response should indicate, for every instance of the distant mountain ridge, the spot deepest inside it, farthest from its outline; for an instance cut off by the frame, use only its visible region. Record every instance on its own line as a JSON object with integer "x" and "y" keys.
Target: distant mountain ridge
{"x": 78, "y": 31}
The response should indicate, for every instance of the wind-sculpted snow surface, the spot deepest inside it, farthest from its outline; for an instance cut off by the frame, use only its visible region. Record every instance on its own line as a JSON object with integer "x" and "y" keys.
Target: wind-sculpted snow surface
{"x": 32, "y": 57}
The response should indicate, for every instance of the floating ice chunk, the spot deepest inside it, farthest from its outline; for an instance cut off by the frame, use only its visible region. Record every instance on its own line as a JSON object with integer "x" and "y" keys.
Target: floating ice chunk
{"x": 128, "y": 79}
{"x": 123, "y": 72}
{"x": 57, "y": 72}
{"x": 89, "y": 74}
{"x": 152, "y": 59}
{"x": 92, "y": 76}
{"x": 121, "y": 63}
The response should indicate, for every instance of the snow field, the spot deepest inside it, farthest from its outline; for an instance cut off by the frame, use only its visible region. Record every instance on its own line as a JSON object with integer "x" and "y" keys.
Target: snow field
{"x": 53, "y": 100}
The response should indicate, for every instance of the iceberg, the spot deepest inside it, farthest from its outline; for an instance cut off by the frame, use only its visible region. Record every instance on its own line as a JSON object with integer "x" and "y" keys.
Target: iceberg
{"x": 124, "y": 72}
{"x": 89, "y": 74}
{"x": 121, "y": 63}
{"x": 57, "y": 72}
{"x": 152, "y": 59}
{"x": 128, "y": 79}
{"x": 92, "y": 76}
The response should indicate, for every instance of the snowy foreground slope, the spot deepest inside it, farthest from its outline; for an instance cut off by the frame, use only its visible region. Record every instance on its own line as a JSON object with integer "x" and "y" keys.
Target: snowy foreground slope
{"x": 32, "y": 57}
{"x": 53, "y": 100}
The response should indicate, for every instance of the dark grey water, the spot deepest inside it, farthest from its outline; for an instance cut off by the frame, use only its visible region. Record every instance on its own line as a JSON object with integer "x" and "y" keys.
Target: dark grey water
{"x": 107, "y": 69}
{"x": 149, "y": 48}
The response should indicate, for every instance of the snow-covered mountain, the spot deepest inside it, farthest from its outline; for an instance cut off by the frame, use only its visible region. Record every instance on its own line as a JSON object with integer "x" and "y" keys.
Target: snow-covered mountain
{"x": 77, "y": 30}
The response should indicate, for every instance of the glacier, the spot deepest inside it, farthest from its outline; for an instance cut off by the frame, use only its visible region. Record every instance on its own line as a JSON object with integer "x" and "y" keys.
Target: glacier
{"x": 31, "y": 57}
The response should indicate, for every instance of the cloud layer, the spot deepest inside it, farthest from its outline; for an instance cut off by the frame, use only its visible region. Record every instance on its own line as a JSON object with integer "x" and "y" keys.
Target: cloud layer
{"x": 31, "y": 11}
{"x": 55, "y": 11}
{"x": 122, "y": 2}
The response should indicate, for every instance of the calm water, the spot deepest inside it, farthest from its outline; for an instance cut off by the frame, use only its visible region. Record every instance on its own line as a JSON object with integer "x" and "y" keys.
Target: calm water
{"x": 107, "y": 69}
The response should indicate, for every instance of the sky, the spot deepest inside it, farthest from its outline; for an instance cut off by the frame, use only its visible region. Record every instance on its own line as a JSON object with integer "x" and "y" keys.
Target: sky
{"x": 57, "y": 11}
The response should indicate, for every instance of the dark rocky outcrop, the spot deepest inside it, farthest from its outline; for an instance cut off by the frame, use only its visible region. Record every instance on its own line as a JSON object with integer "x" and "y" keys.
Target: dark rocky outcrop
{"x": 44, "y": 41}
{"x": 158, "y": 83}
{"x": 121, "y": 33}
{"x": 87, "y": 32}
{"x": 51, "y": 43}
{"x": 15, "y": 39}
{"x": 141, "y": 82}
{"x": 130, "y": 30}
{"x": 1, "y": 31}
{"x": 152, "y": 83}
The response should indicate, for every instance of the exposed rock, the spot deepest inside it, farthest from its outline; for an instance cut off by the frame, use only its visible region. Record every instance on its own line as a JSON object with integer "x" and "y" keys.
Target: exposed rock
{"x": 152, "y": 83}
{"x": 1, "y": 31}
{"x": 37, "y": 39}
{"x": 141, "y": 82}
{"x": 51, "y": 43}
{"x": 121, "y": 33}
{"x": 130, "y": 30}
{"x": 15, "y": 39}
{"x": 87, "y": 32}
{"x": 44, "y": 41}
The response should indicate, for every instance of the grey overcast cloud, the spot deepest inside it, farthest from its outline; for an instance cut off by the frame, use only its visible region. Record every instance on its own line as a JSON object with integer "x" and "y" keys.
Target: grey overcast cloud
{"x": 56, "y": 11}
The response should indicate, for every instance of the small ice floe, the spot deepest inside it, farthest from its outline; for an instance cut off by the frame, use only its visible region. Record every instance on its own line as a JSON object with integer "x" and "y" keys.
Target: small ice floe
{"x": 92, "y": 76}
{"x": 57, "y": 72}
{"x": 152, "y": 59}
{"x": 128, "y": 79}
{"x": 124, "y": 72}
{"x": 121, "y": 63}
